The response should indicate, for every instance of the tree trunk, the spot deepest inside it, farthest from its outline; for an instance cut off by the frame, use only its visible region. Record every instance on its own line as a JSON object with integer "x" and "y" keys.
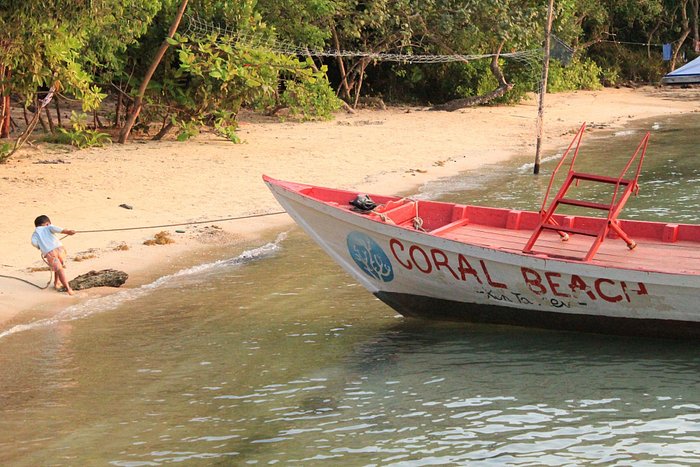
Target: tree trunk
{"x": 341, "y": 65}
{"x": 7, "y": 113}
{"x": 117, "y": 111}
{"x": 43, "y": 124}
{"x": 685, "y": 24}
{"x": 163, "y": 131}
{"x": 37, "y": 118}
{"x": 3, "y": 107}
{"x": 363, "y": 67}
{"x": 136, "y": 109}
{"x": 6, "y": 105}
{"x": 651, "y": 37}
{"x": 503, "y": 87}
{"x": 52, "y": 129}
{"x": 58, "y": 113}
{"x": 543, "y": 87}
{"x": 695, "y": 6}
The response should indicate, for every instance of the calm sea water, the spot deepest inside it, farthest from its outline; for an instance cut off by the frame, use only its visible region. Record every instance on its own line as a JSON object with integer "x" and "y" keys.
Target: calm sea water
{"x": 274, "y": 356}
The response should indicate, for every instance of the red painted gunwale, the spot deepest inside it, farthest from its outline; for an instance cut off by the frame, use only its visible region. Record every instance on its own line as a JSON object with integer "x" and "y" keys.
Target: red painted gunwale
{"x": 670, "y": 248}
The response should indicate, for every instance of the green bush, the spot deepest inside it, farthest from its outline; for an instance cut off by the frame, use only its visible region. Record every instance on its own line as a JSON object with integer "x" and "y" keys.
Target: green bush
{"x": 225, "y": 125}
{"x": 79, "y": 135}
{"x": 634, "y": 64}
{"x": 576, "y": 75}
{"x": 441, "y": 82}
{"x": 5, "y": 150}
{"x": 311, "y": 98}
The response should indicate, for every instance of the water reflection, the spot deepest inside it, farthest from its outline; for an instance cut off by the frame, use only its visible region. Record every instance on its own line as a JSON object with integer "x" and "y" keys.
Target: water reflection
{"x": 429, "y": 393}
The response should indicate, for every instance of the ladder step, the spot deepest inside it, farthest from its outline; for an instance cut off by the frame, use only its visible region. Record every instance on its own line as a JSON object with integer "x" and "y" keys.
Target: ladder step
{"x": 573, "y": 230}
{"x": 584, "y": 204}
{"x": 600, "y": 178}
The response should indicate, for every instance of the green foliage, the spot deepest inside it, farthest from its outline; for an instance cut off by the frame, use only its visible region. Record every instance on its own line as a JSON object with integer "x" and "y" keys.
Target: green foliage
{"x": 114, "y": 26}
{"x": 525, "y": 79}
{"x": 285, "y": 16}
{"x": 188, "y": 129}
{"x": 579, "y": 74}
{"x": 593, "y": 25}
{"x": 80, "y": 135}
{"x": 220, "y": 74}
{"x": 226, "y": 126}
{"x": 449, "y": 27}
{"x": 86, "y": 49}
{"x": 485, "y": 84}
{"x": 609, "y": 77}
{"x": 311, "y": 97}
{"x": 5, "y": 150}
{"x": 63, "y": 44}
{"x": 207, "y": 80}
{"x": 633, "y": 64}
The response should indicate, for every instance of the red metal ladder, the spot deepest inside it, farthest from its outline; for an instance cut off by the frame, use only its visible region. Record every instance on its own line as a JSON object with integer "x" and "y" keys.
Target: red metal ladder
{"x": 624, "y": 187}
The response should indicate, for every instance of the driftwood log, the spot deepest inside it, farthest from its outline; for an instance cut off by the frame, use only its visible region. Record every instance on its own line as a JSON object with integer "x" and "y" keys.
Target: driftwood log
{"x": 103, "y": 278}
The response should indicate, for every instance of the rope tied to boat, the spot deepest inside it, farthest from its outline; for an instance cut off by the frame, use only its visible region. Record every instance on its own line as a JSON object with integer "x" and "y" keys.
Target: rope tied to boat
{"x": 386, "y": 219}
{"x": 210, "y": 221}
{"x": 364, "y": 205}
{"x": 417, "y": 221}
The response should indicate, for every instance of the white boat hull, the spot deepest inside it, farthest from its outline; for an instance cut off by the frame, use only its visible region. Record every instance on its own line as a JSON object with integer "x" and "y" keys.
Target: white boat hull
{"x": 424, "y": 275}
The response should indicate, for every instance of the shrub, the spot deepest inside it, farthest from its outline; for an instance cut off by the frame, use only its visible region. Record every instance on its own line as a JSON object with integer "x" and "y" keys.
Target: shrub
{"x": 576, "y": 75}
{"x": 79, "y": 135}
{"x": 5, "y": 150}
{"x": 311, "y": 98}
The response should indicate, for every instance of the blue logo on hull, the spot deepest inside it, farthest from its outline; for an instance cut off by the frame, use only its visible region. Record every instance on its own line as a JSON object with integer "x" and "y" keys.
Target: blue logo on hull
{"x": 370, "y": 257}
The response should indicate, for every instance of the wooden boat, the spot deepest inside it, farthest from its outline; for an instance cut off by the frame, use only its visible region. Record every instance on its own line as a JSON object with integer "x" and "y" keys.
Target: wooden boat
{"x": 459, "y": 262}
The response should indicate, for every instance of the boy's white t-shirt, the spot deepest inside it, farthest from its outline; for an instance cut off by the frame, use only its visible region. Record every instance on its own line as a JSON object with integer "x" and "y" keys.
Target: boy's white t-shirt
{"x": 44, "y": 238}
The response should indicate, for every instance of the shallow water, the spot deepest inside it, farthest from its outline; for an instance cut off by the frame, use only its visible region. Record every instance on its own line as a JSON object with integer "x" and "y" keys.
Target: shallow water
{"x": 275, "y": 356}
{"x": 669, "y": 180}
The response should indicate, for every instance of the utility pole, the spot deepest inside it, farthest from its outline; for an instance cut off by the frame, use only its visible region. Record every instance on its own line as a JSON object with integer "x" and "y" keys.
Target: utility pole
{"x": 543, "y": 87}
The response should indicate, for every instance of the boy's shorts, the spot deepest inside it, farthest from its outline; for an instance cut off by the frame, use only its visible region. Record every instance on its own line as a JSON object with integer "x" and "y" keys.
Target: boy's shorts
{"x": 56, "y": 258}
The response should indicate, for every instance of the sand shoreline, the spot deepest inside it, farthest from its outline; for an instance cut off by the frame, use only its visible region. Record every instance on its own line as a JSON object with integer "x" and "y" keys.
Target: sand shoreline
{"x": 390, "y": 151}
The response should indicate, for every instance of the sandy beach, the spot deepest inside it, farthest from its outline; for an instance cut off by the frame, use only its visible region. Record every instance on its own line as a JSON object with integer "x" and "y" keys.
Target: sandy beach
{"x": 208, "y": 178}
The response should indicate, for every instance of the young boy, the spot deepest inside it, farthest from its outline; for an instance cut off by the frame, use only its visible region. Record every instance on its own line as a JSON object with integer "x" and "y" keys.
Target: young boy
{"x": 45, "y": 239}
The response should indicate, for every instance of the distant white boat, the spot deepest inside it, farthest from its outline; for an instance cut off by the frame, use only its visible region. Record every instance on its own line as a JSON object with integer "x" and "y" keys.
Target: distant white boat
{"x": 687, "y": 74}
{"x": 459, "y": 262}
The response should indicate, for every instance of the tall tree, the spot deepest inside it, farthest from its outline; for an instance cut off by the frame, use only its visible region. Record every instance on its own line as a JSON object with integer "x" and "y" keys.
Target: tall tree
{"x": 138, "y": 103}
{"x": 66, "y": 45}
{"x": 371, "y": 26}
{"x": 482, "y": 27}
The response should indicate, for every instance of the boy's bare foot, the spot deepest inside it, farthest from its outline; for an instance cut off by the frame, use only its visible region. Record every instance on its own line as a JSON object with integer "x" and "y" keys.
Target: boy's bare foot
{"x": 70, "y": 292}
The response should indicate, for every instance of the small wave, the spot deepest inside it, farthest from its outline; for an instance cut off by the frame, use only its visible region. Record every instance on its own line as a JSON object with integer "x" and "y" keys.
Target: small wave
{"x": 110, "y": 302}
{"x": 625, "y": 132}
{"x": 531, "y": 165}
{"x": 243, "y": 258}
{"x": 470, "y": 180}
